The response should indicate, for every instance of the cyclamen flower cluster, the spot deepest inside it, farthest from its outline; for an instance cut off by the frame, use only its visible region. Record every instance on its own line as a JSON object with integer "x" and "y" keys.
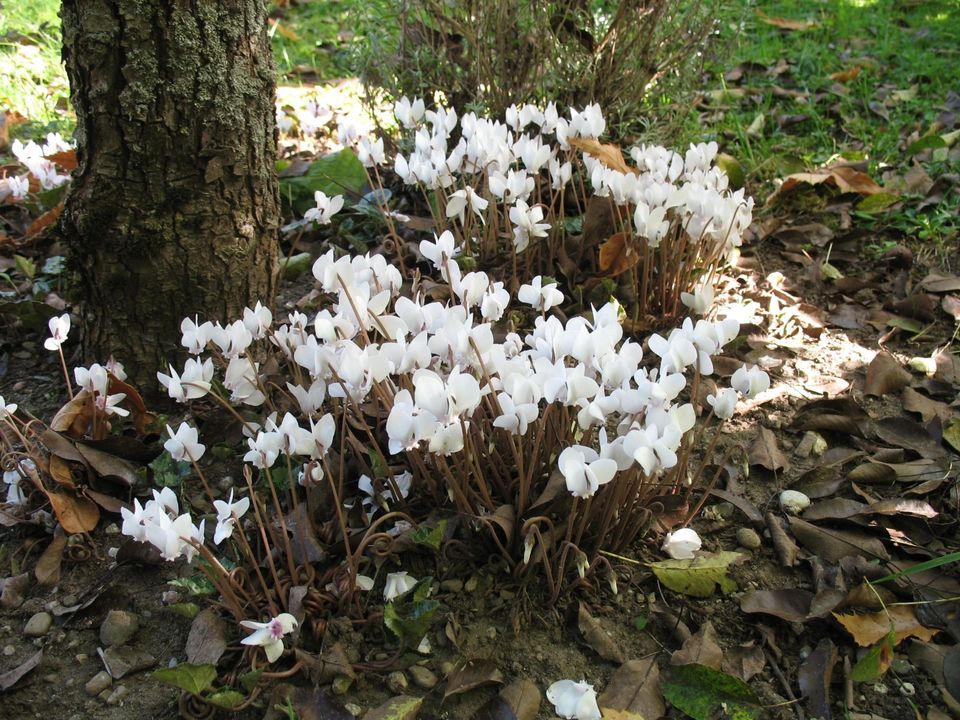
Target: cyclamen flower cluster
{"x": 516, "y": 161}
{"x": 34, "y": 158}
{"x": 440, "y": 363}
{"x": 160, "y": 523}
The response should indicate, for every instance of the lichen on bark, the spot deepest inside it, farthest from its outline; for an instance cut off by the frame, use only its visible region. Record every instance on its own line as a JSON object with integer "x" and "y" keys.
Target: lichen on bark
{"x": 174, "y": 206}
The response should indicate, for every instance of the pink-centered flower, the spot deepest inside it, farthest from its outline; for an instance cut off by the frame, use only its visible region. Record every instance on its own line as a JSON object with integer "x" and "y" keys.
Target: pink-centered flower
{"x": 269, "y": 635}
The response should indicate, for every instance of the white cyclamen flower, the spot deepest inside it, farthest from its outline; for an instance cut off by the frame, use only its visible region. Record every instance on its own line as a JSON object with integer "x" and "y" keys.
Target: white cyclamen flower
{"x": 574, "y": 700}
{"x": 326, "y": 208}
{"x": 184, "y": 443}
{"x": 682, "y": 544}
{"x": 59, "y": 329}
{"x": 227, "y": 515}
{"x": 398, "y": 583}
{"x": 6, "y": 409}
{"x": 750, "y": 381}
{"x": 269, "y": 635}
{"x": 699, "y": 300}
{"x": 723, "y": 403}
{"x": 541, "y": 297}
{"x": 584, "y": 470}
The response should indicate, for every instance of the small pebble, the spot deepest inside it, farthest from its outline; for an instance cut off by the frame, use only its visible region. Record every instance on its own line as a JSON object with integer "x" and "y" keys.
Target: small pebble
{"x": 471, "y": 584}
{"x": 748, "y": 538}
{"x": 422, "y": 677}
{"x": 117, "y": 696}
{"x": 9, "y": 650}
{"x": 908, "y": 689}
{"x": 794, "y": 502}
{"x": 111, "y": 529}
{"x": 397, "y": 682}
{"x": 38, "y": 625}
{"x": 118, "y": 628}
{"x": 68, "y": 600}
{"x": 225, "y": 483}
{"x": 353, "y": 709}
{"x": 98, "y": 683}
{"x": 447, "y": 667}
{"x": 341, "y": 684}
{"x": 453, "y": 586}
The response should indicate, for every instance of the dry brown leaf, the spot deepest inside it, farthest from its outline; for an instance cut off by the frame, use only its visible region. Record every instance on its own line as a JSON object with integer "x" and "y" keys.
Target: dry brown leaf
{"x": 847, "y": 75}
{"x": 935, "y": 282}
{"x": 873, "y": 627}
{"x": 47, "y": 570}
{"x": 634, "y": 691}
{"x": 76, "y": 514}
{"x": 792, "y": 605}
{"x": 596, "y": 637}
{"x": 845, "y": 179}
{"x": 60, "y": 472}
{"x": 766, "y": 453}
{"x": 45, "y": 220}
{"x": 786, "y": 23}
{"x": 744, "y": 661}
{"x": 927, "y": 408}
{"x": 786, "y": 549}
{"x": 885, "y": 375}
{"x": 66, "y": 159}
{"x": 834, "y": 545}
{"x": 617, "y": 254}
{"x": 814, "y": 678}
{"x": 608, "y": 154}
{"x": 75, "y": 417}
{"x": 702, "y": 648}
{"x": 906, "y": 433}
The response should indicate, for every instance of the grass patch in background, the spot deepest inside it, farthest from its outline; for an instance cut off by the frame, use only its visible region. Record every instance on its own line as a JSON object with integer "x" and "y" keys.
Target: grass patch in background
{"x": 33, "y": 84}
{"x": 802, "y": 83}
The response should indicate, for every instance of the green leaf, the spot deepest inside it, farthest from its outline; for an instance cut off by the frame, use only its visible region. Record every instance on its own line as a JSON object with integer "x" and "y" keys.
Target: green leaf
{"x": 927, "y": 142}
{"x": 198, "y": 585}
{"x": 573, "y": 224}
{"x": 952, "y": 435}
{"x": 376, "y": 463}
{"x": 874, "y": 664}
{"x": 296, "y": 265}
{"x": 222, "y": 451}
{"x": 192, "y": 678}
{"x": 697, "y": 690}
{"x": 877, "y": 202}
{"x": 33, "y": 315}
{"x": 698, "y": 577}
{"x": 249, "y": 680}
{"x": 907, "y": 324}
{"x": 733, "y": 169}
{"x": 338, "y": 173}
{"x": 401, "y": 707}
{"x": 409, "y": 616}
{"x": 227, "y": 699}
{"x": 25, "y": 265}
{"x": 168, "y": 472}
{"x": 54, "y": 265}
{"x": 640, "y": 623}
{"x": 188, "y": 610}
{"x": 431, "y": 537}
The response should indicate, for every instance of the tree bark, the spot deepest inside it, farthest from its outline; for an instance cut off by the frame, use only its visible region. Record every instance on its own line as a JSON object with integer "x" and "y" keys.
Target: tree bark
{"x": 174, "y": 206}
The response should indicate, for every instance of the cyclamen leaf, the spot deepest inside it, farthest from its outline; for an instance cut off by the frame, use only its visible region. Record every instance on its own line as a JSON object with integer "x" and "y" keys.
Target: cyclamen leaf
{"x": 697, "y": 690}
{"x": 192, "y": 678}
{"x": 698, "y": 577}
{"x": 227, "y": 699}
{"x": 876, "y": 662}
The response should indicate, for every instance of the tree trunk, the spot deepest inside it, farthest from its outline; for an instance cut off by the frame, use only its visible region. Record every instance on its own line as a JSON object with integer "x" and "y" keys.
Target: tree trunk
{"x": 174, "y": 207}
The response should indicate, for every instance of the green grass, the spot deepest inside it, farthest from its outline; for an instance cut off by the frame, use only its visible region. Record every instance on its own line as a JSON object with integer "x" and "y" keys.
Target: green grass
{"x": 33, "y": 83}
{"x": 908, "y": 52}
{"x": 316, "y": 40}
